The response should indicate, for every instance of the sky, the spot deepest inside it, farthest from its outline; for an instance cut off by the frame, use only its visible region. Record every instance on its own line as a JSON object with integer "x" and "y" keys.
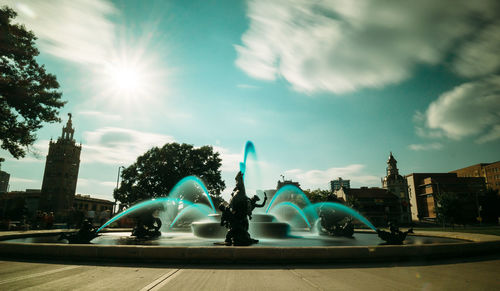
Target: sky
{"x": 324, "y": 88}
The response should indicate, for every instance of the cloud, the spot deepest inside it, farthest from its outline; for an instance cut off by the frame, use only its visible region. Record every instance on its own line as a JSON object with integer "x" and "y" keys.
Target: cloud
{"x": 342, "y": 45}
{"x": 83, "y": 182}
{"x": 470, "y": 109}
{"x": 119, "y": 146}
{"x": 22, "y": 180}
{"x": 425, "y": 147}
{"x": 321, "y": 178}
{"x": 104, "y": 116}
{"x": 79, "y": 31}
{"x": 230, "y": 161}
{"x": 492, "y": 135}
{"x": 480, "y": 57}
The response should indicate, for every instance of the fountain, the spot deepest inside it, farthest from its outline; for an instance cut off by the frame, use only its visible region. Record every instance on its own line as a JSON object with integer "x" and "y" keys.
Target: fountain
{"x": 289, "y": 214}
{"x": 184, "y": 225}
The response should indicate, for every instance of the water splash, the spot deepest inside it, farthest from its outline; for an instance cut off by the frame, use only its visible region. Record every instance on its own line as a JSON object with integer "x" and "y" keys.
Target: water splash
{"x": 179, "y": 189}
{"x": 296, "y": 208}
{"x": 153, "y": 203}
{"x": 200, "y": 209}
{"x": 249, "y": 151}
{"x": 342, "y": 208}
{"x": 286, "y": 192}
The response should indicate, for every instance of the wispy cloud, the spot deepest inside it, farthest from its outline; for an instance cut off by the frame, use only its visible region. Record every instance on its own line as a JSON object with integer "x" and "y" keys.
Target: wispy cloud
{"x": 22, "y": 180}
{"x": 230, "y": 161}
{"x": 321, "y": 178}
{"x": 480, "y": 57}
{"x": 119, "y": 146}
{"x": 343, "y": 45}
{"x": 103, "y": 116}
{"x": 493, "y": 134}
{"x": 471, "y": 109}
{"x": 84, "y": 182}
{"x": 79, "y": 31}
{"x": 425, "y": 147}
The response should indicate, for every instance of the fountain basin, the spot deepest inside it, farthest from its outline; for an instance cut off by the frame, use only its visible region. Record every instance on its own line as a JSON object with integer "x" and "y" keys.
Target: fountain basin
{"x": 260, "y": 226}
{"x": 262, "y": 253}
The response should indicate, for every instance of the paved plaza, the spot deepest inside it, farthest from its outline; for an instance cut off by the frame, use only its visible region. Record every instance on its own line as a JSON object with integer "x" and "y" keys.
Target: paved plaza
{"x": 479, "y": 273}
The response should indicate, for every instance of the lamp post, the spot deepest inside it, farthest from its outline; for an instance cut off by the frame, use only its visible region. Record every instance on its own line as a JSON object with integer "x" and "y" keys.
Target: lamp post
{"x": 117, "y": 183}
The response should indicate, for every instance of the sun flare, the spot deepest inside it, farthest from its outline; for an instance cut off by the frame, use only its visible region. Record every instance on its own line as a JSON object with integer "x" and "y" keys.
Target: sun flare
{"x": 130, "y": 79}
{"x": 126, "y": 79}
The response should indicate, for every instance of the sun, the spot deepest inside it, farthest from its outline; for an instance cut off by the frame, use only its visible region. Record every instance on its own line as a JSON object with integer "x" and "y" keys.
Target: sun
{"x": 130, "y": 79}
{"x": 126, "y": 79}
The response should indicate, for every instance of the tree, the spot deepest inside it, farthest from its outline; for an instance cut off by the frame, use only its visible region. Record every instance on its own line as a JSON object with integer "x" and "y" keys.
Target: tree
{"x": 157, "y": 171}
{"x": 319, "y": 195}
{"x": 353, "y": 202}
{"x": 456, "y": 208}
{"x": 28, "y": 95}
{"x": 490, "y": 205}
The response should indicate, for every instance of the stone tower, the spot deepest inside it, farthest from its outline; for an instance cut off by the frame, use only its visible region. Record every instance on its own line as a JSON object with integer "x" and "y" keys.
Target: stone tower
{"x": 396, "y": 184}
{"x": 61, "y": 172}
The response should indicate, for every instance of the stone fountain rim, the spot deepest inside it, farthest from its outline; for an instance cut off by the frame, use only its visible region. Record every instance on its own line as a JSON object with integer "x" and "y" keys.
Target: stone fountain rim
{"x": 474, "y": 244}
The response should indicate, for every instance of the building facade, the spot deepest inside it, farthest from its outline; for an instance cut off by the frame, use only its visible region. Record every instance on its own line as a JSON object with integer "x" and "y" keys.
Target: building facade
{"x": 397, "y": 185}
{"x": 489, "y": 171}
{"x": 378, "y": 205}
{"x": 425, "y": 187}
{"x": 99, "y": 210}
{"x": 4, "y": 181}
{"x": 335, "y": 185}
{"x": 61, "y": 172}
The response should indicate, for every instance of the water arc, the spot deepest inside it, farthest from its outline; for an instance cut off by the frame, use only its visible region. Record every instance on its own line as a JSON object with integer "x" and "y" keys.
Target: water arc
{"x": 177, "y": 190}
{"x": 155, "y": 202}
{"x": 295, "y": 207}
{"x": 291, "y": 190}
{"x": 200, "y": 208}
{"x": 342, "y": 208}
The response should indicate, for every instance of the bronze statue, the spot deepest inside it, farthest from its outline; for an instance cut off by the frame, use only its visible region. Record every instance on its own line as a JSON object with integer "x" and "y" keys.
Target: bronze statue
{"x": 339, "y": 228}
{"x": 83, "y": 236}
{"x": 235, "y": 215}
{"x": 148, "y": 227}
{"x": 395, "y": 236}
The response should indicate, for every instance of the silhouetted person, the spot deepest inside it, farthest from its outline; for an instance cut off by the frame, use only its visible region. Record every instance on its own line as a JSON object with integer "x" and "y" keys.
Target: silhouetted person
{"x": 50, "y": 220}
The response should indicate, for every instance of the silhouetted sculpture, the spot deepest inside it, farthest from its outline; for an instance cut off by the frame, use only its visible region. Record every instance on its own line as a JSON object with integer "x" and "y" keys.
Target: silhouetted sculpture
{"x": 83, "y": 236}
{"x": 335, "y": 229}
{"x": 252, "y": 202}
{"x": 395, "y": 236}
{"x": 235, "y": 215}
{"x": 148, "y": 227}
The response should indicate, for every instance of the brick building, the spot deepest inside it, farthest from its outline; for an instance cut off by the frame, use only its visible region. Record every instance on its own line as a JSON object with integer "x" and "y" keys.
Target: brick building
{"x": 378, "y": 205}
{"x": 489, "y": 171}
{"x": 423, "y": 189}
{"x": 61, "y": 172}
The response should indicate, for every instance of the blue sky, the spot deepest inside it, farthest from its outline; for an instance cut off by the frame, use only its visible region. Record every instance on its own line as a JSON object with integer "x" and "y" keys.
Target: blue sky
{"x": 323, "y": 88}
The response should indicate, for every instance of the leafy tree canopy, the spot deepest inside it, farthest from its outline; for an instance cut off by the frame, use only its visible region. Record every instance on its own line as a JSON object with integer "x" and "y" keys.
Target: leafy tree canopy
{"x": 157, "y": 171}
{"x": 456, "y": 208}
{"x": 28, "y": 95}
{"x": 319, "y": 195}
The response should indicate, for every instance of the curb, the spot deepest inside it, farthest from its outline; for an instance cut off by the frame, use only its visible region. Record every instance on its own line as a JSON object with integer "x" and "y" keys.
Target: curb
{"x": 481, "y": 244}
